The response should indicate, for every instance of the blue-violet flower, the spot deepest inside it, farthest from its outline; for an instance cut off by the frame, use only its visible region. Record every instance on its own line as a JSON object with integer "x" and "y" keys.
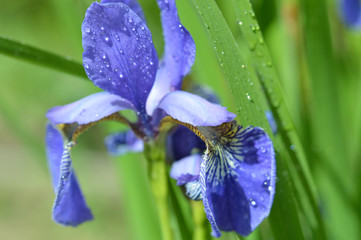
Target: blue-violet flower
{"x": 235, "y": 177}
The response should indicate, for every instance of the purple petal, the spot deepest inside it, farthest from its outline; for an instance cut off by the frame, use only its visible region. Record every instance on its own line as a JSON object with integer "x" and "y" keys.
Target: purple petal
{"x": 238, "y": 188}
{"x": 121, "y": 143}
{"x": 351, "y": 11}
{"x": 179, "y": 55}
{"x": 119, "y": 55}
{"x": 89, "y": 109}
{"x": 187, "y": 169}
{"x": 182, "y": 143}
{"x": 132, "y": 4}
{"x": 69, "y": 206}
{"x": 192, "y": 109}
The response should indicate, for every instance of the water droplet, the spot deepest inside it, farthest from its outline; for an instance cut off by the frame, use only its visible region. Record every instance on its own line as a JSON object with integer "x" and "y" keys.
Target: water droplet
{"x": 253, "y": 202}
{"x": 130, "y": 20}
{"x": 240, "y": 23}
{"x": 151, "y": 63}
{"x": 102, "y": 28}
{"x": 252, "y": 14}
{"x": 121, "y": 75}
{"x": 243, "y": 66}
{"x": 253, "y": 27}
{"x": 293, "y": 147}
{"x": 222, "y": 53}
{"x": 263, "y": 150}
{"x": 249, "y": 97}
{"x": 87, "y": 29}
{"x": 135, "y": 64}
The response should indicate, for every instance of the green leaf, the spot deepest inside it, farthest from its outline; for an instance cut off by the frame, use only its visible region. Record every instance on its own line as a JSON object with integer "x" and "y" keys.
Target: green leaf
{"x": 247, "y": 77}
{"x": 37, "y": 56}
{"x": 138, "y": 198}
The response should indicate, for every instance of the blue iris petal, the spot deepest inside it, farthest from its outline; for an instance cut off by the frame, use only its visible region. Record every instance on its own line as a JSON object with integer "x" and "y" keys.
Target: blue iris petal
{"x": 121, "y": 143}
{"x": 132, "y": 4}
{"x": 351, "y": 12}
{"x": 237, "y": 178}
{"x": 69, "y": 206}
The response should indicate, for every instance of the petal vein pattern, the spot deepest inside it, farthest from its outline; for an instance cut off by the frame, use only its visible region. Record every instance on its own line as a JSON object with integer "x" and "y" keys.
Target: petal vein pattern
{"x": 237, "y": 177}
{"x": 119, "y": 55}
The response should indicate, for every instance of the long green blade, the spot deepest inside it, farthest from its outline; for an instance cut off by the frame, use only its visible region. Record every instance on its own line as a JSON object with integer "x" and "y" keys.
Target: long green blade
{"x": 34, "y": 55}
{"x": 243, "y": 76}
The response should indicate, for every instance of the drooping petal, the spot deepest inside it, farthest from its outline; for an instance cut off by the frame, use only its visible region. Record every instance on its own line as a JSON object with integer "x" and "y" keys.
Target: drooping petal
{"x": 238, "y": 178}
{"x": 179, "y": 55}
{"x": 351, "y": 11}
{"x": 89, "y": 109}
{"x": 182, "y": 143}
{"x": 192, "y": 109}
{"x": 121, "y": 143}
{"x": 69, "y": 205}
{"x": 119, "y": 55}
{"x": 186, "y": 169}
{"x": 132, "y": 4}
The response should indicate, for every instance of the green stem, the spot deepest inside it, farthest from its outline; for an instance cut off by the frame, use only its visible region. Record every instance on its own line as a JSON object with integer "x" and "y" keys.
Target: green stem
{"x": 155, "y": 155}
{"x": 199, "y": 218}
{"x": 34, "y": 55}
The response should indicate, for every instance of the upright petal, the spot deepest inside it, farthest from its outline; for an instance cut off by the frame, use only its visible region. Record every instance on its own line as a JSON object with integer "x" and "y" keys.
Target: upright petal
{"x": 119, "y": 55}
{"x": 89, "y": 109}
{"x": 123, "y": 142}
{"x": 69, "y": 205}
{"x": 179, "y": 55}
{"x": 237, "y": 178}
{"x": 132, "y": 4}
{"x": 192, "y": 109}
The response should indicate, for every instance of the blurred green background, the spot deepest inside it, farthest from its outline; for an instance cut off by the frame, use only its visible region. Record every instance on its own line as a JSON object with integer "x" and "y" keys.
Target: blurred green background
{"x": 115, "y": 188}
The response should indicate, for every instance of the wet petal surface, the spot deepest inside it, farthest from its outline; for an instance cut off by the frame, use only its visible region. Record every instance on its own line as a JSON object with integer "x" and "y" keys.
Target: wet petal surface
{"x": 119, "y": 55}
{"x": 132, "y": 4}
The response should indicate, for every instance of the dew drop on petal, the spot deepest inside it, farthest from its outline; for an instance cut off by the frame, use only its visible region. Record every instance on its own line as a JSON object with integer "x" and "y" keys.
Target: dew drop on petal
{"x": 253, "y": 202}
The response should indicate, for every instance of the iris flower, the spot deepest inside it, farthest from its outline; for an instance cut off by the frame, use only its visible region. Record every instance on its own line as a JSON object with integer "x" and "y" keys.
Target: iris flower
{"x": 351, "y": 12}
{"x": 234, "y": 178}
